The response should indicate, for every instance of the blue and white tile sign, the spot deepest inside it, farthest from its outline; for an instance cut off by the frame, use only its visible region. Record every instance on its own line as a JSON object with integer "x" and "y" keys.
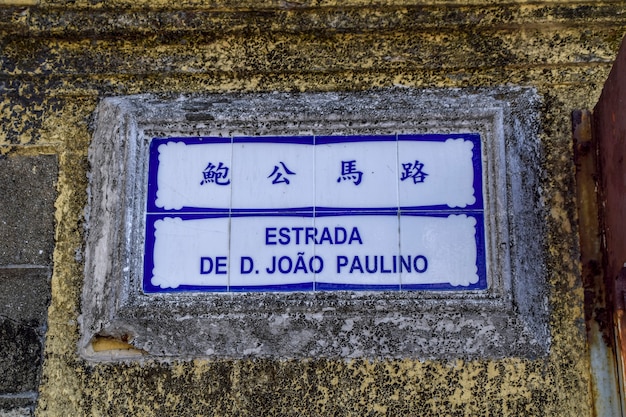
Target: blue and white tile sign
{"x": 315, "y": 213}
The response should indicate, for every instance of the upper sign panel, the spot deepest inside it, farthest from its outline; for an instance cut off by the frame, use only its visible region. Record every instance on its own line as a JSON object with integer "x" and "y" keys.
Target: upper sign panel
{"x": 324, "y": 172}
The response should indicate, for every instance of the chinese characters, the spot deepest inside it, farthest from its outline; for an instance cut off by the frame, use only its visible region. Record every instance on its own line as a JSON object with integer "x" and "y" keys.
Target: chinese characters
{"x": 413, "y": 170}
{"x": 279, "y": 175}
{"x": 349, "y": 172}
{"x": 215, "y": 174}
{"x": 218, "y": 174}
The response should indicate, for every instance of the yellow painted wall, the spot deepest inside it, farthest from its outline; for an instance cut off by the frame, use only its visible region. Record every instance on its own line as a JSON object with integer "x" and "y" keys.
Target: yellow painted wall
{"x": 58, "y": 58}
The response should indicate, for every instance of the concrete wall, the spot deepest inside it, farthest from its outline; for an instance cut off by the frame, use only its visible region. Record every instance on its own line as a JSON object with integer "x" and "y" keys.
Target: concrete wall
{"x": 59, "y": 58}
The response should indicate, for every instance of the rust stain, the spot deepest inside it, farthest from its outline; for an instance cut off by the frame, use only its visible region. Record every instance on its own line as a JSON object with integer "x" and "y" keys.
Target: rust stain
{"x": 589, "y": 233}
{"x": 107, "y": 343}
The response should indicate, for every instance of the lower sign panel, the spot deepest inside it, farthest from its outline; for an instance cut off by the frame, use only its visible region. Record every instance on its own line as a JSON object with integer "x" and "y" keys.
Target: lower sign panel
{"x": 306, "y": 253}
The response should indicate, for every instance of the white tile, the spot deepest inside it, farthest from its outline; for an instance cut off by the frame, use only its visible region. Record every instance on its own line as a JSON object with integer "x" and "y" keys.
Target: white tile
{"x": 358, "y": 250}
{"x": 356, "y": 174}
{"x": 265, "y": 250}
{"x": 190, "y": 252}
{"x": 272, "y": 175}
{"x": 194, "y": 175}
{"x": 436, "y": 173}
{"x": 447, "y": 244}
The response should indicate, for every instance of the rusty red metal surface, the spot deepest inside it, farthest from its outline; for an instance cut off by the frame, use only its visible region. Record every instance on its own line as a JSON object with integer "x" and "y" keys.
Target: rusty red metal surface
{"x": 598, "y": 313}
{"x": 609, "y": 131}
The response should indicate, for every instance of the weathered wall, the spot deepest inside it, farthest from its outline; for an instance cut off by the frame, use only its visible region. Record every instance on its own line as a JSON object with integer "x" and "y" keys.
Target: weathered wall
{"x": 58, "y": 58}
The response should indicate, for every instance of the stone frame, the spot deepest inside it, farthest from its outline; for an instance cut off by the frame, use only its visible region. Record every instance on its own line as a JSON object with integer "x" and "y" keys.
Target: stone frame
{"x": 509, "y": 319}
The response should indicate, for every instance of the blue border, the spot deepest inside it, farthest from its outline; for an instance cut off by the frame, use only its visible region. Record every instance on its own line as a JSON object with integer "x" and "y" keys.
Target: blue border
{"x": 300, "y": 140}
{"x": 154, "y": 213}
{"x": 305, "y": 286}
{"x": 329, "y": 286}
{"x": 324, "y": 140}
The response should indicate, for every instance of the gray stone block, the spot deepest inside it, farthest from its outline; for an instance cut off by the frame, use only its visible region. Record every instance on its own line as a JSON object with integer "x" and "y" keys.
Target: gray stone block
{"x": 17, "y": 405}
{"x": 20, "y": 356}
{"x": 27, "y": 194}
{"x": 17, "y": 412}
{"x": 25, "y": 294}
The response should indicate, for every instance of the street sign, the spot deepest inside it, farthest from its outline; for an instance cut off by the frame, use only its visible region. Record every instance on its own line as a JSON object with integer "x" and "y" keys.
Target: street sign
{"x": 315, "y": 213}
{"x": 266, "y": 224}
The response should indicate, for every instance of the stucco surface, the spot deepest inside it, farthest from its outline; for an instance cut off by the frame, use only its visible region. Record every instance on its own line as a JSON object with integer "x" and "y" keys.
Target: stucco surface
{"x": 59, "y": 58}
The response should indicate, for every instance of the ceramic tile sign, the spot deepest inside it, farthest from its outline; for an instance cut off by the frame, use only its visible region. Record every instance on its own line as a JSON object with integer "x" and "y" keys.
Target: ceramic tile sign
{"x": 315, "y": 213}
